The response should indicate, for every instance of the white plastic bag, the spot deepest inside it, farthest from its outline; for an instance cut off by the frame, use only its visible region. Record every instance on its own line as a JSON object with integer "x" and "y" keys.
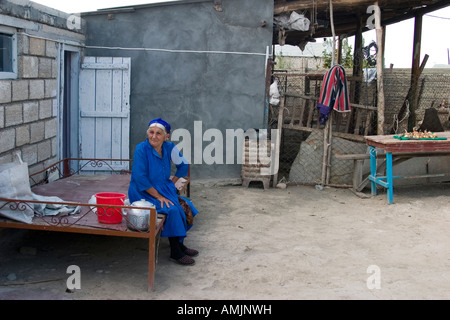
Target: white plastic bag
{"x": 274, "y": 93}
{"x": 298, "y": 22}
{"x": 14, "y": 184}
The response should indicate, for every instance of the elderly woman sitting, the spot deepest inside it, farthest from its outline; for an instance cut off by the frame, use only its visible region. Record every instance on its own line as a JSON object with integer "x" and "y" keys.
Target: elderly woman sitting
{"x": 150, "y": 180}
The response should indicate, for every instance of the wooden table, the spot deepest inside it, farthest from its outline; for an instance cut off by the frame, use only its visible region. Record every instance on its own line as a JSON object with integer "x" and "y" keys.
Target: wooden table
{"x": 409, "y": 148}
{"x": 76, "y": 190}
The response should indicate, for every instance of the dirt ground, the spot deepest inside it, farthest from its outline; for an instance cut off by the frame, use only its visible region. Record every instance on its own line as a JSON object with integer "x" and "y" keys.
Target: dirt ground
{"x": 294, "y": 243}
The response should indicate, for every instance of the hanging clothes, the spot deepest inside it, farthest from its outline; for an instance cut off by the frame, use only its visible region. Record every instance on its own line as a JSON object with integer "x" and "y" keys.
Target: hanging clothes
{"x": 334, "y": 93}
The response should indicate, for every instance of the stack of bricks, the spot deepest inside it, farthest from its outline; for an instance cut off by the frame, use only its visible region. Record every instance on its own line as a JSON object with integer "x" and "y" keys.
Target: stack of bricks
{"x": 254, "y": 168}
{"x": 28, "y": 105}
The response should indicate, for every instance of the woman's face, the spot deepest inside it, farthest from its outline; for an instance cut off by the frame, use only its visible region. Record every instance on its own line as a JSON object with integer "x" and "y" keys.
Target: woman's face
{"x": 156, "y": 137}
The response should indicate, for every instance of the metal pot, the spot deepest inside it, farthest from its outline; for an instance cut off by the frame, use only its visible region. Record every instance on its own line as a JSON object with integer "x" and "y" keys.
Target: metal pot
{"x": 139, "y": 219}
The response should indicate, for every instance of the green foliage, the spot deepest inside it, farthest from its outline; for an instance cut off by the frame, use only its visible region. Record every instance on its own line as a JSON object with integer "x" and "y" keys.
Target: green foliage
{"x": 347, "y": 55}
{"x": 282, "y": 63}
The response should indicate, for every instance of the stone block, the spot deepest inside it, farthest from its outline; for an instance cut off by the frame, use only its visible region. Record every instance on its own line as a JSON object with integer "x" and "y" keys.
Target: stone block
{"x": 13, "y": 114}
{"x": 55, "y": 108}
{"x": 54, "y": 69}
{"x": 45, "y": 109}
{"x": 37, "y": 89}
{"x": 54, "y": 150}
{"x": 30, "y": 111}
{"x": 37, "y": 46}
{"x": 50, "y": 88}
{"x": 28, "y": 67}
{"x": 51, "y": 49}
{"x": 7, "y": 139}
{"x": 29, "y": 154}
{"x": 44, "y": 150}
{"x": 2, "y": 116}
{"x": 19, "y": 90}
{"x": 5, "y": 91}
{"x": 51, "y": 127}
{"x": 23, "y": 44}
{"x": 7, "y": 158}
{"x": 37, "y": 131}
{"x": 45, "y": 68}
{"x": 22, "y": 135}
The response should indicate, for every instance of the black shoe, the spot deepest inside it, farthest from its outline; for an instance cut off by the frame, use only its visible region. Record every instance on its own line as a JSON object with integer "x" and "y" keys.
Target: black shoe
{"x": 185, "y": 261}
{"x": 190, "y": 252}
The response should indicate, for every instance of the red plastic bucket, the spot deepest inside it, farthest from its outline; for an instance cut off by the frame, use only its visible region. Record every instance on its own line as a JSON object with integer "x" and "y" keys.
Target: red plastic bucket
{"x": 109, "y": 215}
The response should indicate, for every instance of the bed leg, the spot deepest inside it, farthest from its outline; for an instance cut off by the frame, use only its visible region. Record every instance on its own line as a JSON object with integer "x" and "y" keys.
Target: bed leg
{"x": 151, "y": 263}
{"x": 151, "y": 251}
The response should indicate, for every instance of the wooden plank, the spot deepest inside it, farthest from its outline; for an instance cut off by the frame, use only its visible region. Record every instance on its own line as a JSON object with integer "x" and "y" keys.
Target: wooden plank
{"x": 116, "y": 106}
{"x": 105, "y": 66}
{"x": 278, "y": 141}
{"x": 103, "y": 114}
{"x": 126, "y": 76}
{"x": 87, "y": 104}
{"x": 368, "y": 125}
{"x": 357, "y": 122}
{"x": 356, "y": 156}
{"x": 321, "y": 5}
{"x": 364, "y": 156}
{"x": 103, "y": 128}
{"x": 360, "y": 106}
{"x": 303, "y": 105}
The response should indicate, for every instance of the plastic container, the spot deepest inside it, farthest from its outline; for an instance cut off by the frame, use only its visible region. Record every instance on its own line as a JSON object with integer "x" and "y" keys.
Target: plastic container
{"x": 110, "y": 215}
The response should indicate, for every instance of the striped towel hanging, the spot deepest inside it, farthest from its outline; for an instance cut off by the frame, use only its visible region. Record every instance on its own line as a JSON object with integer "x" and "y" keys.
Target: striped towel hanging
{"x": 334, "y": 93}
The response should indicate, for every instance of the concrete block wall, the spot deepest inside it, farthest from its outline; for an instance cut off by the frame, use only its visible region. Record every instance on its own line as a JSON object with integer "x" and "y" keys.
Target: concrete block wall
{"x": 28, "y": 105}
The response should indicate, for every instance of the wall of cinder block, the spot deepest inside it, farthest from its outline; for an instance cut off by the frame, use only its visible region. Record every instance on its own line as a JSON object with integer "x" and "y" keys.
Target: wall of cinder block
{"x": 28, "y": 105}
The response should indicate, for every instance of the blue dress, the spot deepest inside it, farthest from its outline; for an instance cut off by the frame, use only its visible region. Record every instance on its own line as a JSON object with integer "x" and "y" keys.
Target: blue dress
{"x": 152, "y": 170}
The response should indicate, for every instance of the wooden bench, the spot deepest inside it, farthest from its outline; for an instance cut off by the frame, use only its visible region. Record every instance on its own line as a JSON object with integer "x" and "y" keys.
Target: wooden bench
{"x": 358, "y": 160}
{"x": 359, "y": 181}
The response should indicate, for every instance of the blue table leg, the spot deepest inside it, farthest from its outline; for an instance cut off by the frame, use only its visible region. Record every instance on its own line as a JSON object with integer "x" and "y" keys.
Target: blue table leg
{"x": 390, "y": 193}
{"x": 373, "y": 169}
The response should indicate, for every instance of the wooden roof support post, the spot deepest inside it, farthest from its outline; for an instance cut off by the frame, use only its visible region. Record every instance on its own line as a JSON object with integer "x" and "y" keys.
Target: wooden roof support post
{"x": 327, "y": 131}
{"x": 415, "y": 72}
{"x": 355, "y": 87}
{"x": 380, "y": 65}
{"x": 339, "y": 51}
{"x": 278, "y": 140}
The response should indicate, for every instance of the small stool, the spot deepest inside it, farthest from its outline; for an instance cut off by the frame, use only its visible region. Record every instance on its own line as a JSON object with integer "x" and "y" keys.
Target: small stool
{"x": 265, "y": 181}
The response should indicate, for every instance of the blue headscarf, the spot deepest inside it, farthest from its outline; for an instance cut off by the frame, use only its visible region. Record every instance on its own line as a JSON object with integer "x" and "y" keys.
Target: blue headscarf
{"x": 160, "y": 123}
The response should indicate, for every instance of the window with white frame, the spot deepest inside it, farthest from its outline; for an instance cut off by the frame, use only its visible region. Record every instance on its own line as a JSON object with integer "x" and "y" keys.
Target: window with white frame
{"x": 8, "y": 53}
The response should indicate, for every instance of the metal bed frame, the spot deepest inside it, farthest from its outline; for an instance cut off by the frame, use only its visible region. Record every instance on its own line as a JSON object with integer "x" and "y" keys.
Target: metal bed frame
{"x": 75, "y": 188}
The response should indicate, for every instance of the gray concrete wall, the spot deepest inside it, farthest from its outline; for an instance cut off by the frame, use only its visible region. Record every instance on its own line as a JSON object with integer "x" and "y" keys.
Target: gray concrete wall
{"x": 223, "y": 90}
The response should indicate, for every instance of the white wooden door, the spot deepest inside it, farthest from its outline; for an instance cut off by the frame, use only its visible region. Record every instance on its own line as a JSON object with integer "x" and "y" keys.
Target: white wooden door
{"x": 105, "y": 109}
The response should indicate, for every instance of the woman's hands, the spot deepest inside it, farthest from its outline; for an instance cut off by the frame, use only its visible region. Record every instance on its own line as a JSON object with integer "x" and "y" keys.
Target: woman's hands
{"x": 164, "y": 200}
{"x": 155, "y": 194}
